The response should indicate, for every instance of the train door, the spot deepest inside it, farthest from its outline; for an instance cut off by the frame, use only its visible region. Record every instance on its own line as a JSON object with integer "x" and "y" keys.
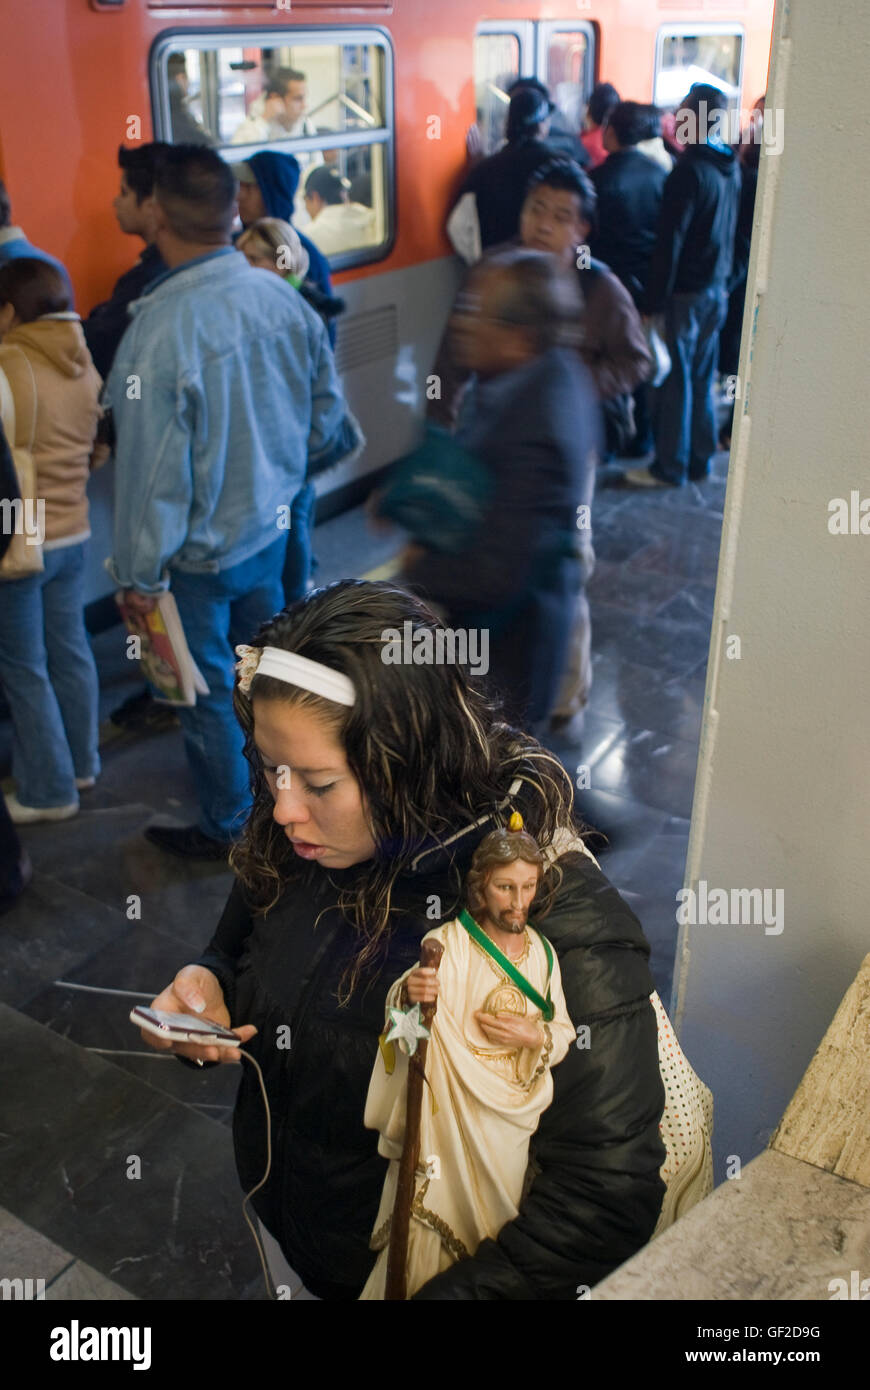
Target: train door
{"x": 503, "y": 51}
{"x": 565, "y": 61}
{"x": 561, "y": 53}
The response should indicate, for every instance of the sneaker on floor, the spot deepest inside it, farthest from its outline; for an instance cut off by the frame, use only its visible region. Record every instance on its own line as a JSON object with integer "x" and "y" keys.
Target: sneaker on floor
{"x": 29, "y": 815}
{"x": 188, "y": 842}
{"x": 84, "y": 784}
{"x": 641, "y": 477}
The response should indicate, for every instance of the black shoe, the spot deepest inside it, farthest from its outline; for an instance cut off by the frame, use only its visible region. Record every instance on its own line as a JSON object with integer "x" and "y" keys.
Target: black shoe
{"x": 187, "y": 843}
{"x": 141, "y": 712}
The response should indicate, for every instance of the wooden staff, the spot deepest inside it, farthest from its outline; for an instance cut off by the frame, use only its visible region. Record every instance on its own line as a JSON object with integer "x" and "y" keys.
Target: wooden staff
{"x": 397, "y": 1259}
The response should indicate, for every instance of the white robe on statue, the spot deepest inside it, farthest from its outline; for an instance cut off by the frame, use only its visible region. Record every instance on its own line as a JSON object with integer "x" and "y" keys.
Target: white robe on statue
{"x": 480, "y": 1109}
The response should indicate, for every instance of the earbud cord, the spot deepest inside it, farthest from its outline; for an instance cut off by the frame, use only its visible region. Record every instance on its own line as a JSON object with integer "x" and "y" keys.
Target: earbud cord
{"x": 270, "y": 1291}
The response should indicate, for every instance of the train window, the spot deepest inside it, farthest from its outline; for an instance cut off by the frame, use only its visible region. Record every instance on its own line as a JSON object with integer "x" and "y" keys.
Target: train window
{"x": 328, "y": 103}
{"x": 496, "y": 64}
{"x": 686, "y": 54}
{"x": 567, "y": 71}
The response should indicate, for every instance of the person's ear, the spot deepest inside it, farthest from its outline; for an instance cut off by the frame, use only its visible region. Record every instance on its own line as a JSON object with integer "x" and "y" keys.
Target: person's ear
{"x": 153, "y": 217}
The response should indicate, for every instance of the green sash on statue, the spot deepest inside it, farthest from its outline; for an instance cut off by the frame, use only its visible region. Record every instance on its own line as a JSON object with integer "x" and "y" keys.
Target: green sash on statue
{"x": 487, "y": 944}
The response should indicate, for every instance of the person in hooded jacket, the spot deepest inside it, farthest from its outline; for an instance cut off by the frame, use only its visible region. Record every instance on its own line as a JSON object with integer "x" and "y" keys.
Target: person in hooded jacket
{"x": 373, "y": 784}
{"x": 46, "y": 665}
{"x": 688, "y": 281}
{"x": 267, "y": 188}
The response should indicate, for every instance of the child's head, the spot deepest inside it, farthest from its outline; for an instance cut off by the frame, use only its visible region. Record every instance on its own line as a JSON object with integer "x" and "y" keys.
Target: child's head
{"x": 29, "y": 288}
{"x": 272, "y": 244}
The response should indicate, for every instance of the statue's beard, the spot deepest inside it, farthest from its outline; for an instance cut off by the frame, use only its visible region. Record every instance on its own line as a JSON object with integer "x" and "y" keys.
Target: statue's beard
{"x": 506, "y": 922}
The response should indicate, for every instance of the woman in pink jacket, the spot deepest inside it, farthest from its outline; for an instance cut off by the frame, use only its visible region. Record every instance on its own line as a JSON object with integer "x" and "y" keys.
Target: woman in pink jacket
{"x": 47, "y": 668}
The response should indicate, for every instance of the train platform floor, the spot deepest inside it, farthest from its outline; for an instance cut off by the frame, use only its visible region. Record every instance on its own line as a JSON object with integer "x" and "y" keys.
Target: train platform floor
{"x": 81, "y": 1100}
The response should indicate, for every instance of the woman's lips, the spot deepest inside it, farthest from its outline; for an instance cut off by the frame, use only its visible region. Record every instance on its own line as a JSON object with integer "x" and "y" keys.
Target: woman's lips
{"x": 305, "y": 850}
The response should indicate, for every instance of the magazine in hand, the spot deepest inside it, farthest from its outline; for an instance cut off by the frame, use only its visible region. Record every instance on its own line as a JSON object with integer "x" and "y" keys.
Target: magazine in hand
{"x": 164, "y": 654}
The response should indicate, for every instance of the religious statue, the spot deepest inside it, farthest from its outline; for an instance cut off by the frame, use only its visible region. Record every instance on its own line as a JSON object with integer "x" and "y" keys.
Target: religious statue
{"x": 497, "y": 1025}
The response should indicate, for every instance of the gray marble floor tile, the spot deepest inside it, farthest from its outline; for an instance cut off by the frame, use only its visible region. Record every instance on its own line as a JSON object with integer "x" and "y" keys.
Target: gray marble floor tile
{"x": 66, "y": 1167}
{"x": 50, "y": 930}
{"x": 80, "y": 1281}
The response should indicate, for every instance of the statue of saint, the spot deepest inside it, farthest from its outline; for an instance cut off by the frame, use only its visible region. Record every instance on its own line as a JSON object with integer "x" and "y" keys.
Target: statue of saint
{"x": 501, "y": 1025}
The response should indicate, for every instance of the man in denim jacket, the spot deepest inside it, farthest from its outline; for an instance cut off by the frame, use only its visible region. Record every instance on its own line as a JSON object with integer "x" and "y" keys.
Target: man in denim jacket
{"x": 223, "y": 392}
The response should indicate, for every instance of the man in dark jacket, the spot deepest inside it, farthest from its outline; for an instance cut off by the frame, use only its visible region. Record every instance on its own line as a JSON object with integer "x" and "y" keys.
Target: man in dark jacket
{"x": 107, "y": 322}
{"x": 688, "y": 281}
{"x": 629, "y": 188}
{"x": 487, "y": 210}
{"x": 532, "y": 420}
{"x": 596, "y": 1154}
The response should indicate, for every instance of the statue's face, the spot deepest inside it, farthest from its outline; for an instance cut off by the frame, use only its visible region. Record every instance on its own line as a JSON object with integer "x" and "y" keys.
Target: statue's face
{"x": 507, "y": 896}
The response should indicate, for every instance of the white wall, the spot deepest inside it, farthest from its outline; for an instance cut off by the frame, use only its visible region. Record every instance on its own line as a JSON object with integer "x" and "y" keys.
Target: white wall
{"x": 783, "y": 787}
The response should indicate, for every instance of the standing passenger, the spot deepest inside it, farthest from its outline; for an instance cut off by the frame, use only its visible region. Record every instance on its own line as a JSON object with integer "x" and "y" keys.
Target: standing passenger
{"x": 14, "y": 244}
{"x": 237, "y": 393}
{"x": 688, "y": 280}
{"x": 267, "y": 188}
{"x": 274, "y": 245}
{"x": 46, "y": 664}
{"x": 487, "y": 210}
{"x": 531, "y": 420}
{"x": 601, "y": 102}
{"x": 629, "y": 187}
{"x": 106, "y": 323}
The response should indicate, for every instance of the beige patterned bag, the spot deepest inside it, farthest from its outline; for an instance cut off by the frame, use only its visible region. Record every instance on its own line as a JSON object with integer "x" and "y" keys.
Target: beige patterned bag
{"x": 687, "y": 1123}
{"x": 686, "y": 1127}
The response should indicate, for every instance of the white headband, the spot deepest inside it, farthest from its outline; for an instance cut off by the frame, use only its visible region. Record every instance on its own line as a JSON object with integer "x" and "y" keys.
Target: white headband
{"x": 296, "y": 670}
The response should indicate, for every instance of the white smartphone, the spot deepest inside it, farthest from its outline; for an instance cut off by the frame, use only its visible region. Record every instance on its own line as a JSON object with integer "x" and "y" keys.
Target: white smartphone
{"x": 184, "y": 1028}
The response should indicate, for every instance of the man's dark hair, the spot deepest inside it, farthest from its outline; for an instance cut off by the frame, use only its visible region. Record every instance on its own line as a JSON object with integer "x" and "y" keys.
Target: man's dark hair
{"x": 630, "y": 123}
{"x": 654, "y": 122}
{"x": 176, "y": 64}
{"x": 33, "y": 287}
{"x": 565, "y": 175}
{"x": 527, "y": 111}
{"x": 139, "y": 165}
{"x": 601, "y": 102}
{"x": 5, "y": 206}
{"x": 538, "y": 295}
{"x": 534, "y": 83}
{"x": 283, "y": 77}
{"x": 197, "y": 191}
{"x": 327, "y": 183}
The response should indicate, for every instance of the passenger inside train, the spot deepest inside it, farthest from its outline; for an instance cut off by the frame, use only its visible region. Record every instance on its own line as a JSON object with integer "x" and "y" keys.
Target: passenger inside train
{"x": 323, "y": 793}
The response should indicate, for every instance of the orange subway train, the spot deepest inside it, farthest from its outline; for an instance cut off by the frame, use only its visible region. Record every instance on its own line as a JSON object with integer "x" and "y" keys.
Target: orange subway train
{"x": 390, "y": 91}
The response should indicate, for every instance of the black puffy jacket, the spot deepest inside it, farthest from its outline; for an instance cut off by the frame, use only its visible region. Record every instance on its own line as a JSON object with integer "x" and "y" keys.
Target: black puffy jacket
{"x": 597, "y": 1152}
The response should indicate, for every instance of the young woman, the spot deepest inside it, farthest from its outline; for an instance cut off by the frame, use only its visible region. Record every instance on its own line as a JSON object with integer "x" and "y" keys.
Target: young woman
{"x": 373, "y": 783}
{"x": 46, "y": 665}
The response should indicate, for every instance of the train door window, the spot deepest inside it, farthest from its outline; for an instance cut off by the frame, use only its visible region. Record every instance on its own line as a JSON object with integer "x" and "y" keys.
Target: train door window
{"x": 565, "y": 63}
{"x": 501, "y": 54}
{"x": 326, "y": 98}
{"x": 690, "y": 53}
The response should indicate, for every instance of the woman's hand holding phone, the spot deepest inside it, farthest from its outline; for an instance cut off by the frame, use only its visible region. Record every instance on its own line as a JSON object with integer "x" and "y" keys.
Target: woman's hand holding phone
{"x": 196, "y": 990}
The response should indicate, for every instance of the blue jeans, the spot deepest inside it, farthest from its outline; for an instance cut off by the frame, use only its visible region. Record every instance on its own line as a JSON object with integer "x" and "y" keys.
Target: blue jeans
{"x": 218, "y": 611}
{"x": 297, "y": 562}
{"x": 50, "y": 678}
{"x": 686, "y": 429}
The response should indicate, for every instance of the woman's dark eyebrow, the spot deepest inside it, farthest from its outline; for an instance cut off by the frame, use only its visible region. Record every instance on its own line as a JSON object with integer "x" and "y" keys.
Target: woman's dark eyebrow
{"x": 300, "y": 771}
